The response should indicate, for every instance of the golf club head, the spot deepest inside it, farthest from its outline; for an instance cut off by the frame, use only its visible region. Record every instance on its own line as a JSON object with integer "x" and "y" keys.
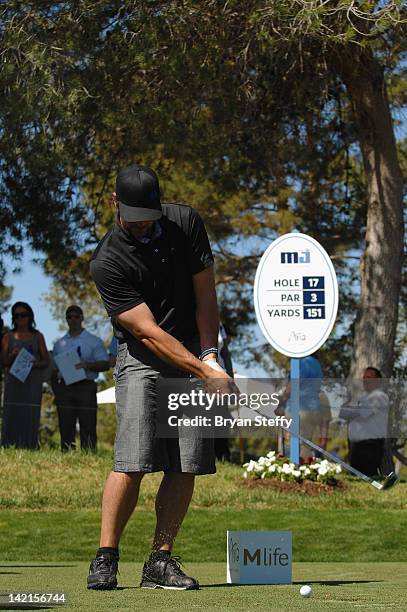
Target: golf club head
{"x": 390, "y": 480}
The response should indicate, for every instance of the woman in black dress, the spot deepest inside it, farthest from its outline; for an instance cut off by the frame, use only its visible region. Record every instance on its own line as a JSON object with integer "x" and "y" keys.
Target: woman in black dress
{"x": 22, "y": 400}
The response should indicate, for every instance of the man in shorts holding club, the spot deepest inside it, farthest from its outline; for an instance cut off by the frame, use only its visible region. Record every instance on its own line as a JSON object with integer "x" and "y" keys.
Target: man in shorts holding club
{"x": 154, "y": 272}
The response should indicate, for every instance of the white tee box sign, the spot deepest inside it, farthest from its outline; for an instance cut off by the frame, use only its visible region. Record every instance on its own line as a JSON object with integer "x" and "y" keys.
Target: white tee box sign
{"x": 259, "y": 557}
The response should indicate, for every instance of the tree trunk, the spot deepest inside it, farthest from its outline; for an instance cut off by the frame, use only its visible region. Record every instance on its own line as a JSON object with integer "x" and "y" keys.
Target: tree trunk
{"x": 381, "y": 263}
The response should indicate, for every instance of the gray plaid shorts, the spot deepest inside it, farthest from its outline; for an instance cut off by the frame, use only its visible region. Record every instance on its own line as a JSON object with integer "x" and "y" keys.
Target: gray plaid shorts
{"x": 137, "y": 448}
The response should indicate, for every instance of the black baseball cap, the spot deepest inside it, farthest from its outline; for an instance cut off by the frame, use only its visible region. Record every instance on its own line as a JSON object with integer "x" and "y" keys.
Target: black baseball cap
{"x": 138, "y": 194}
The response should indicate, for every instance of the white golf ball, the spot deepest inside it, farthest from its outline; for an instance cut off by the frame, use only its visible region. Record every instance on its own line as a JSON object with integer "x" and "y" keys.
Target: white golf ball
{"x": 306, "y": 591}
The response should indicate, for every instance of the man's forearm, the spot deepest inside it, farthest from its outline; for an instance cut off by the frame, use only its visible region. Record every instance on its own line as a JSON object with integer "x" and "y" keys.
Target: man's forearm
{"x": 207, "y": 314}
{"x": 169, "y": 349}
{"x": 208, "y": 326}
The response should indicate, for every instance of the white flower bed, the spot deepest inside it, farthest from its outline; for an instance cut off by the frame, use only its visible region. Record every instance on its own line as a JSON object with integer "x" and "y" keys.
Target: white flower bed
{"x": 278, "y": 468}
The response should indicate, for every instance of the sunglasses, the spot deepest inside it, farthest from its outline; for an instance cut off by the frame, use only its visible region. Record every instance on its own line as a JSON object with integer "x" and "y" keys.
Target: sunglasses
{"x": 73, "y": 316}
{"x": 21, "y": 315}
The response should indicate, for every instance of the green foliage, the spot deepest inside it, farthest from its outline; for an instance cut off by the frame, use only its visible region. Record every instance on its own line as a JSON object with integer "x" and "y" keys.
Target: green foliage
{"x": 49, "y": 479}
{"x": 5, "y": 296}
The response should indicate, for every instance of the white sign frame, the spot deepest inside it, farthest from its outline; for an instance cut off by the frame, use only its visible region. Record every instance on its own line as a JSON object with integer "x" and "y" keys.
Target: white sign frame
{"x": 304, "y": 258}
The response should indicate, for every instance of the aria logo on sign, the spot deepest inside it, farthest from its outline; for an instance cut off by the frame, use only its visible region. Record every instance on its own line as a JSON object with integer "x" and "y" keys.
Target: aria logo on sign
{"x": 296, "y": 295}
{"x": 297, "y": 337}
{"x": 294, "y": 258}
{"x": 234, "y": 551}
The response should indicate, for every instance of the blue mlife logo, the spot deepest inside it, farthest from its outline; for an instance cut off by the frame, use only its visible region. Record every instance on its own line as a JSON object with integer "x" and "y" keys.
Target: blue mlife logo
{"x": 295, "y": 257}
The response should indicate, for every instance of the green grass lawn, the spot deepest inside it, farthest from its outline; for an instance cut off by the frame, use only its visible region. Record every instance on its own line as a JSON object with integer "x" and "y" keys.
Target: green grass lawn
{"x": 318, "y": 535}
{"x": 50, "y": 480}
{"x": 351, "y": 544}
{"x": 336, "y": 586}
{"x": 49, "y": 511}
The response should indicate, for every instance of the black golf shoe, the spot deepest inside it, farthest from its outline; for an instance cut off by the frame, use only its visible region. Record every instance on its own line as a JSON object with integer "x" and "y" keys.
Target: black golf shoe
{"x": 102, "y": 571}
{"x": 162, "y": 571}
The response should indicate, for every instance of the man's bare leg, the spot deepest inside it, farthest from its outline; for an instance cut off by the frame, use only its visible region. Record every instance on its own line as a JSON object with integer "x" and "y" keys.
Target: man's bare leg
{"x": 171, "y": 505}
{"x": 120, "y": 497}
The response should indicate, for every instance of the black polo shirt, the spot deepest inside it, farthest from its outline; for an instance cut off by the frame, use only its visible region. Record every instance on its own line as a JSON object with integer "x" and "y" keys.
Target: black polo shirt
{"x": 128, "y": 272}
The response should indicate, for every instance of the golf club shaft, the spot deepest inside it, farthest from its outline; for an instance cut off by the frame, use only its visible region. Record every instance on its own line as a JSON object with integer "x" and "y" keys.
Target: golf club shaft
{"x": 331, "y": 456}
{"x": 334, "y": 458}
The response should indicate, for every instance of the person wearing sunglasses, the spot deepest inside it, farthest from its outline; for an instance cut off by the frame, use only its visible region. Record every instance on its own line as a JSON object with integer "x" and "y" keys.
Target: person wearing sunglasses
{"x": 77, "y": 401}
{"x": 22, "y": 400}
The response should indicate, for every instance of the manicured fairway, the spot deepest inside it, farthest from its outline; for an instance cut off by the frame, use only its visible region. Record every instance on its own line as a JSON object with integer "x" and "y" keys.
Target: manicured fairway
{"x": 318, "y": 535}
{"x": 336, "y": 586}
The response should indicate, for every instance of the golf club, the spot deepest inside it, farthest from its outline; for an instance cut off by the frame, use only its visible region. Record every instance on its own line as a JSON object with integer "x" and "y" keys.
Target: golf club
{"x": 389, "y": 481}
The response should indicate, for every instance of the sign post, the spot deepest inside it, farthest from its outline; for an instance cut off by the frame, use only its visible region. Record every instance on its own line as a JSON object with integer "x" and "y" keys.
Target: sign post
{"x": 296, "y": 301}
{"x": 295, "y": 411}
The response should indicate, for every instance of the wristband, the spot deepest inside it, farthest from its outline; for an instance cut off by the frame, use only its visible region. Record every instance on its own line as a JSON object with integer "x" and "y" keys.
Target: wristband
{"x": 208, "y": 351}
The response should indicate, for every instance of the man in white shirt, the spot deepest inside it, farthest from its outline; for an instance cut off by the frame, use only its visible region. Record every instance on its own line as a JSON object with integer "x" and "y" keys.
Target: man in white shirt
{"x": 78, "y": 400}
{"x": 367, "y": 424}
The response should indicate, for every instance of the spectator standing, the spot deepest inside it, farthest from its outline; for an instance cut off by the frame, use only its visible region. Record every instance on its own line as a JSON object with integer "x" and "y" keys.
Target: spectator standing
{"x": 77, "y": 401}
{"x": 367, "y": 424}
{"x": 22, "y": 400}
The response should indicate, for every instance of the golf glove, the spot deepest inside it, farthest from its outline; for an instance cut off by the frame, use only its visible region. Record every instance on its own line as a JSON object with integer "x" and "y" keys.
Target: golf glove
{"x": 212, "y": 363}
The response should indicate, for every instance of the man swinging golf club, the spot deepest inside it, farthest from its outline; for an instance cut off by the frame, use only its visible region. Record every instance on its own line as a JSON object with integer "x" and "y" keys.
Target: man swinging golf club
{"x": 154, "y": 272}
